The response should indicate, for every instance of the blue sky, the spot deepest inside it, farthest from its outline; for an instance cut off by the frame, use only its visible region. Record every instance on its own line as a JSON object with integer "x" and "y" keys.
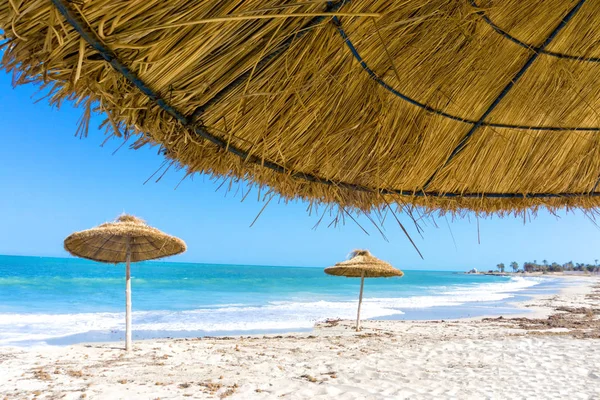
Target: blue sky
{"x": 53, "y": 183}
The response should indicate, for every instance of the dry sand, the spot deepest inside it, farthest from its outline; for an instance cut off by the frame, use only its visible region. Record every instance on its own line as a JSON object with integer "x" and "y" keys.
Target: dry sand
{"x": 554, "y": 353}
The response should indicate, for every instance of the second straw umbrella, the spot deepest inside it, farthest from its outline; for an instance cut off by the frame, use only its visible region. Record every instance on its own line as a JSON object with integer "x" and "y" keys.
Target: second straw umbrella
{"x": 362, "y": 264}
{"x": 128, "y": 239}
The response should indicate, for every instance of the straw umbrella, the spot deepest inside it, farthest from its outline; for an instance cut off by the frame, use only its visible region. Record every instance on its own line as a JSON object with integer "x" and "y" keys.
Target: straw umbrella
{"x": 497, "y": 120}
{"x": 363, "y": 265}
{"x": 127, "y": 239}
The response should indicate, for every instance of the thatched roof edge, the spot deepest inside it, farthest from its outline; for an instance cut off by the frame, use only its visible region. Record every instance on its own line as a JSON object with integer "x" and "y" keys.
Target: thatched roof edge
{"x": 289, "y": 180}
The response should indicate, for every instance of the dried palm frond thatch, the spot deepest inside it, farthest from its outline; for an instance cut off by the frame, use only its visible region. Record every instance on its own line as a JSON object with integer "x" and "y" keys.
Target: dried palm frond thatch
{"x": 485, "y": 105}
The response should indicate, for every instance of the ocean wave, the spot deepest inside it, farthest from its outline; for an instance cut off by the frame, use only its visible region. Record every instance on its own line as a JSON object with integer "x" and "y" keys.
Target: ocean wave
{"x": 277, "y": 315}
{"x": 513, "y": 283}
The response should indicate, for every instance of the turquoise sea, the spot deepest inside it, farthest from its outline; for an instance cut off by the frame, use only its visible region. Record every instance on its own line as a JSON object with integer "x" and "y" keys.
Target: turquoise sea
{"x": 60, "y": 301}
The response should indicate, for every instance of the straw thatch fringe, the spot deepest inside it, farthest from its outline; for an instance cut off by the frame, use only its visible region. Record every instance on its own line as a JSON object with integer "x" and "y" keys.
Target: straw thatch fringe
{"x": 310, "y": 122}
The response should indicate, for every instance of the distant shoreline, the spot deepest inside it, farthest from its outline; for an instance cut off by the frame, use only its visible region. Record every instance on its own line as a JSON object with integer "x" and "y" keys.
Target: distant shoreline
{"x": 577, "y": 274}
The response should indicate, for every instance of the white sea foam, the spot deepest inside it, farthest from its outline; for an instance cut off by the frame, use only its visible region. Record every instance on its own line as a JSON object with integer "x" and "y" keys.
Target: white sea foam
{"x": 21, "y": 328}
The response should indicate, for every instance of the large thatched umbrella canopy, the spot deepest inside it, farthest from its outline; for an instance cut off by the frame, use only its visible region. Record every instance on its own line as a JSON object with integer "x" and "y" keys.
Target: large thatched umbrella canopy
{"x": 128, "y": 239}
{"x": 477, "y": 104}
{"x": 362, "y": 264}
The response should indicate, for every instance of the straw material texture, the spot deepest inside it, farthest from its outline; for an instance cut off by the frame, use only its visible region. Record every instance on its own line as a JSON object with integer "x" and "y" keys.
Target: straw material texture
{"x": 466, "y": 98}
{"x": 362, "y": 261}
{"x": 108, "y": 242}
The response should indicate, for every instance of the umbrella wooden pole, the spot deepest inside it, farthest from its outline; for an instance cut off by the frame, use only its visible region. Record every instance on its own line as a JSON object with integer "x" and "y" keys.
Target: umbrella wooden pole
{"x": 362, "y": 283}
{"x": 128, "y": 344}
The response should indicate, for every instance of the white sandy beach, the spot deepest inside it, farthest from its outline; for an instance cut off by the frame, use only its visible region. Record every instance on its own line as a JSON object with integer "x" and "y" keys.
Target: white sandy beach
{"x": 551, "y": 353}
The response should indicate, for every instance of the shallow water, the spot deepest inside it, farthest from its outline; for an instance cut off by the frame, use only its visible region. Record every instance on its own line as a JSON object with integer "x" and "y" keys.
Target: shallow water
{"x": 61, "y": 301}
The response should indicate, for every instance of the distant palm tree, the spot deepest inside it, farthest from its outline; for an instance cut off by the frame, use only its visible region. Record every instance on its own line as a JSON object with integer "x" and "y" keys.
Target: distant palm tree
{"x": 545, "y": 262}
{"x": 569, "y": 266}
{"x": 500, "y": 267}
{"x": 596, "y": 262}
{"x": 515, "y": 266}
